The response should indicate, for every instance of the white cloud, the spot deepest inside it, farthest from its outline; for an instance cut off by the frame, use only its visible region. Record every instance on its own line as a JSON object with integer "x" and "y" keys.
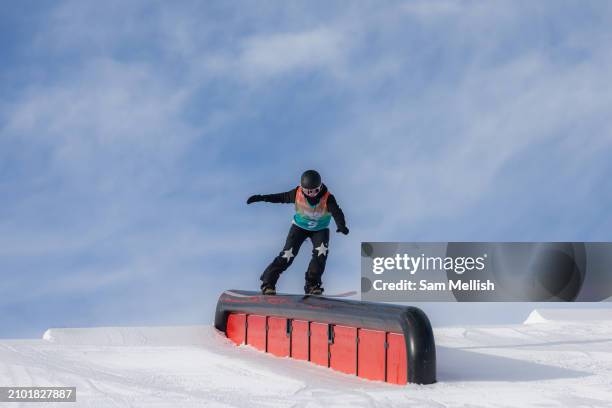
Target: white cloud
{"x": 427, "y": 9}
{"x": 276, "y": 54}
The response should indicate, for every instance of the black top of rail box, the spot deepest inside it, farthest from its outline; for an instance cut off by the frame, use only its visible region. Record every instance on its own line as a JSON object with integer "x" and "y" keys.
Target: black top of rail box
{"x": 411, "y": 321}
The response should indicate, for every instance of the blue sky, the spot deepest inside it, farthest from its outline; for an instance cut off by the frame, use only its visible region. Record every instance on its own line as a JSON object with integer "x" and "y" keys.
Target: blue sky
{"x": 131, "y": 134}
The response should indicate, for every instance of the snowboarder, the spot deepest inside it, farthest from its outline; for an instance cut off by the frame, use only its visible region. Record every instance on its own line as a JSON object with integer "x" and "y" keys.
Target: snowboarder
{"x": 314, "y": 207}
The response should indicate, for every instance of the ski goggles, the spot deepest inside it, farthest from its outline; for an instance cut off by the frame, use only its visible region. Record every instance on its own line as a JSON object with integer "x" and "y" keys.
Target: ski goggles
{"x": 311, "y": 192}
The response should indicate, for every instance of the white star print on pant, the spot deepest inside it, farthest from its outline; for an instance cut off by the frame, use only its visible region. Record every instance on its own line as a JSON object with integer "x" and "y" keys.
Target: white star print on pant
{"x": 288, "y": 254}
{"x": 322, "y": 249}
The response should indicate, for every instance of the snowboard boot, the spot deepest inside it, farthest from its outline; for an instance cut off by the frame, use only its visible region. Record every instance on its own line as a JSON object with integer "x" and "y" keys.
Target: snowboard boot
{"x": 268, "y": 290}
{"x": 314, "y": 290}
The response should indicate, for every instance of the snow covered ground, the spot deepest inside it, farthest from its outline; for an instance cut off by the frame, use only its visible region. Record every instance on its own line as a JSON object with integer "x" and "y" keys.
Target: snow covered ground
{"x": 554, "y": 359}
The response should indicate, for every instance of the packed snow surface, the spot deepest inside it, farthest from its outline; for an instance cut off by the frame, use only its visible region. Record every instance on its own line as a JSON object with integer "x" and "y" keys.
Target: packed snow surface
{"x": 547, "y": 363}
{"x": 568, "y": 315}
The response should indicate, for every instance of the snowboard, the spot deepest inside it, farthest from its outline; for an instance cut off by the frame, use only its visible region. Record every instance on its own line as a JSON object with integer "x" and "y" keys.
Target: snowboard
{"x": 335, "y": 295}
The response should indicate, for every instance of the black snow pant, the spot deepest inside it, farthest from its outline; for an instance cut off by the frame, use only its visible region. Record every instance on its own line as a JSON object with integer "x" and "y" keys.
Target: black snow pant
{"x": 295, "y": 239}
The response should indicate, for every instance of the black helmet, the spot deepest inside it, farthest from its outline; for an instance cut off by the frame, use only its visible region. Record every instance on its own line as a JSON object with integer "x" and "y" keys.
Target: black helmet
{"x": 311, "y": 179}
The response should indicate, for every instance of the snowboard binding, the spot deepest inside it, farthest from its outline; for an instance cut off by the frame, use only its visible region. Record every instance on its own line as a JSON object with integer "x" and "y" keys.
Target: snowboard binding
{"x": 314, "y": 290}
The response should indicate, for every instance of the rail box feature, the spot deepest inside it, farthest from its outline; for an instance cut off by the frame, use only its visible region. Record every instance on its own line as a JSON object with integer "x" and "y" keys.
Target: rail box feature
{"x": 374, "y": 341}
{"x": 236, "y": 328}
{"x": 256, "y": 332}
{"x": 372, "y": 354}
{"x": 279, "y": 336}
{"x": 300, "y": 340}
{"x": 318, "y": 348}
{"x": 343, "y": 349}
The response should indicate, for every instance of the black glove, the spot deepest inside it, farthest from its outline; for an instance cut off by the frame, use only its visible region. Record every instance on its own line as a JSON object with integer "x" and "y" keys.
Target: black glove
{"x": 254, "y": 198}
{"x": 343, "y": 230}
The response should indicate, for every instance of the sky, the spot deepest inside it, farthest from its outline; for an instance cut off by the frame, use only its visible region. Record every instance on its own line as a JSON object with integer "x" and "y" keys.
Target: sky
{"x": 132, "y": 133}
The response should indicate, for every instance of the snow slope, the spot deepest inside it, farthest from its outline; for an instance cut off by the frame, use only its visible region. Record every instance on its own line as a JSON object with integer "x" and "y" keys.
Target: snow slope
{"x": 568, "y": 315}
{"x": 547, "y": 363}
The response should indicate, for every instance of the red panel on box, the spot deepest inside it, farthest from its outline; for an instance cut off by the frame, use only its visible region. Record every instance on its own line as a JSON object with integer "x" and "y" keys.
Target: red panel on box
{"x": 278, "y": 337}
{"x": 319, "y": 347}
{"x": 396, "y": 359}
{"x": 299, "y": 339}
{"x": 343, "y": 350}
{"x": 256, "y": 331}
{"x": 371, "y": 353}
{"x": 236, "y": 328}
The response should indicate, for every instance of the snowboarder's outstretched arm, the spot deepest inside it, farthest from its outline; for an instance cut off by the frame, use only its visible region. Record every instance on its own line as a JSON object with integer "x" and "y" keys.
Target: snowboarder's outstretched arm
{"x": 284, "y": 198}
{"x": 338, "y": 215}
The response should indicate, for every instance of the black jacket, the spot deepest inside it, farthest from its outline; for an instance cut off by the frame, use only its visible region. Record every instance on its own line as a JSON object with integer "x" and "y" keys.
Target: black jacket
{"x": 289, "y": 197}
